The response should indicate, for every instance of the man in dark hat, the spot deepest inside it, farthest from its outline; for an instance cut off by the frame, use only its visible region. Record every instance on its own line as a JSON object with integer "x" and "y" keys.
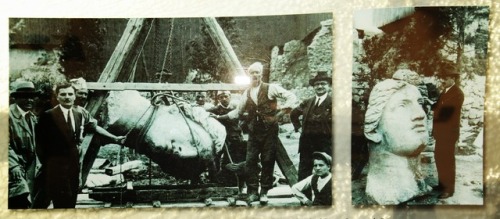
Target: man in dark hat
{"x": 446, "y": 130}
{"x": 22, "y": 159}
{"x": 316, "y": 189}
{"x": 316, "y": 123}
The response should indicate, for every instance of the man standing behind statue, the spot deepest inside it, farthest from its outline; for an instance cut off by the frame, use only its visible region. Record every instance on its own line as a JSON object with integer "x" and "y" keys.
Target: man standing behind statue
{"x": 60, "y": 132}
{"x": 236, "y": 149}
{"x": 261, "y": 104}
{"x": 446, "y": 130}
{"x": 22, "y": 159}
{"x": 316, "y": 123}
{"x": 81, "y": 91}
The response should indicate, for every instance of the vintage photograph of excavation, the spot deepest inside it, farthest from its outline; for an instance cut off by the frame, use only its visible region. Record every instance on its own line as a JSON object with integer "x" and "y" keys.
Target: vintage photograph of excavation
{"x": 418, "y": 105}
{"x": 170, "y": 112}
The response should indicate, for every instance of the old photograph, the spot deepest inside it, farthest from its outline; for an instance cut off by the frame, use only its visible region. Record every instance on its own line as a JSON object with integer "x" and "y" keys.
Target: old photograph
{"x": 170, "y": 112}
{"x": 418, "y": 104}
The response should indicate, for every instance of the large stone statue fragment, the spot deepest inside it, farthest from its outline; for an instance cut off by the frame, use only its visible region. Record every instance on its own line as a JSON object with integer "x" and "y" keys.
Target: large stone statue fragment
{"x": 184, "y": 143}
{"x": 396, "y": 128}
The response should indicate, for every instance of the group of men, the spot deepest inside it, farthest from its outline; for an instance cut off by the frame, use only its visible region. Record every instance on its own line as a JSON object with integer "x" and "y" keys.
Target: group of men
{"x": 44, "y": 152}
{"x": 44, "y": 155}
{"x": 258, "y": 107}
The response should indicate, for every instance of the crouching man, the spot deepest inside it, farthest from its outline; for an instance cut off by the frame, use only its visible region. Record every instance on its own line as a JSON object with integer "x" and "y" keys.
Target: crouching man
{"x": 316, "y": 189}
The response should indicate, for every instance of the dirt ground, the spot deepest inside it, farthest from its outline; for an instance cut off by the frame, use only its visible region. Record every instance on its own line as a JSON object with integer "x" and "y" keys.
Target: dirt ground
{"x": 468, "y": 185}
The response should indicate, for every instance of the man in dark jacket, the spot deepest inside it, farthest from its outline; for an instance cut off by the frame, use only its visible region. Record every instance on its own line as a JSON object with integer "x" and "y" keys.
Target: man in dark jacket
{"x": 316, "y": 123}
{"x": 446, "y": 130}
{"x": 235, "y": 151}
{"x": 60, "y": 132}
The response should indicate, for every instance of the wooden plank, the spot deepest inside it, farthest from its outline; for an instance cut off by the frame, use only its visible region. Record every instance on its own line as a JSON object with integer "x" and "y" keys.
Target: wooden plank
{"x": 163, "y": 86}
{"x": 223, "y": 46}
{"x": 285, "y": 164}
{"x": 116, "y": 69}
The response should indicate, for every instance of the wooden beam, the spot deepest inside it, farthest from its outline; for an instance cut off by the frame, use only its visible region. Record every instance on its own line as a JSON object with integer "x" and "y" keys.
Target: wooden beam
{"x": 285, "y": 164}
{"x": 224, "y": 47}
{"x": 117, "y": 68}
{"x": 163, "y": 86}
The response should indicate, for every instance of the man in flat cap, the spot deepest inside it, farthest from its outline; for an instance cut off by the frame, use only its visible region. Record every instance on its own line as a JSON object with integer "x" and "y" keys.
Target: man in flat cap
{"x": 236, "y": 148}
{"x": 446, "y": 130}
{"x": 22, "y": 158}
{"x": 316, "y": 123}
{"x": 260, "y": 102}
{"x": 81, "y": 91}
{"x": 316, "y": 189}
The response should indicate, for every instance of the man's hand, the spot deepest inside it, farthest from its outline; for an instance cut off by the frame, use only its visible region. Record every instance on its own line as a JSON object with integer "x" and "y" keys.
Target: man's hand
{"x": 287, "y": 110}
{"x": 120, "y": 139}
{"x": 17, "y": 173}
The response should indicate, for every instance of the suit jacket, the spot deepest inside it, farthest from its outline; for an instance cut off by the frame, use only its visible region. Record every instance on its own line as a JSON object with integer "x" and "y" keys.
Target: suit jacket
{"x": 54, "y": 139}
{"x": 304, "y": 110}
{"x": 21, "y": 150}
{"x": 447, "y": 111}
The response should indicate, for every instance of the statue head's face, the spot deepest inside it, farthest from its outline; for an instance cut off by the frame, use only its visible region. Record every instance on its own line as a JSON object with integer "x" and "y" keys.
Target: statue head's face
{"x": 403, "y": 122}
{"x": 394, "y": 120}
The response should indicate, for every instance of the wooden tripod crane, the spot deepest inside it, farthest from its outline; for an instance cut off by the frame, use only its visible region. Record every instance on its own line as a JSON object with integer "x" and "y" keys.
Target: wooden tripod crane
{"x": 129, "y": 47}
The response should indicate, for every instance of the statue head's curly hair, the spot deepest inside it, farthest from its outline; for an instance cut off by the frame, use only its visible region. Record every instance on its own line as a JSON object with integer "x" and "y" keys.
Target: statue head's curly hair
{"x": 379, "y": 97}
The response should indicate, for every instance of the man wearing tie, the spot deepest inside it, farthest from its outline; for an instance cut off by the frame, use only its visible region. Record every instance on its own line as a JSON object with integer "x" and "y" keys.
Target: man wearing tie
{"x": 60, "y": 131}
{"x": 22, "y": 159}
{"x": 316, "y": 123}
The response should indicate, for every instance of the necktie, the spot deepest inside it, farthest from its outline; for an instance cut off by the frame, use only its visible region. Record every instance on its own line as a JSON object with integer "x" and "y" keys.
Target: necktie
{"x": 317, "y": 102}
{"x": 27, "y": 117}
{"x": 69, "y": 123}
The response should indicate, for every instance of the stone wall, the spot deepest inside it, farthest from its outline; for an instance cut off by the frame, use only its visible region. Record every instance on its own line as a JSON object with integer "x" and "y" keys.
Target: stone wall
{"x": 297, "y": 62}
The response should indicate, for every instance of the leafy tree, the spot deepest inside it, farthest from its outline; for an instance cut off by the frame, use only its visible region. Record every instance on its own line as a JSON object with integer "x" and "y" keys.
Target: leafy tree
{"x": 206, "y": 58}
{"x": 82, "y": 48}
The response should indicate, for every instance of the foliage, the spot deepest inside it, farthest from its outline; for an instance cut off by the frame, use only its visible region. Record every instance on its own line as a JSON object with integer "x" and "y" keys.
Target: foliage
{"x": 204, "y": 55}
{"x": 82, "y": 48}
{"x": 426, "y": 41}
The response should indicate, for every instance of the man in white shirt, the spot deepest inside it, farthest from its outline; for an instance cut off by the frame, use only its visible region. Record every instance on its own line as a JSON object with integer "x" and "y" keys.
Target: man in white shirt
{"x": 260, "y": 103}
{"x": 318, "y": 185}
{"x": 60, "y": 132}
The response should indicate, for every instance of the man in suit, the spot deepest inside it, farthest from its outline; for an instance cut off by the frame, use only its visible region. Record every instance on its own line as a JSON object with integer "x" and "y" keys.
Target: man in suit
{"x": 446, "y": 130}
{"x": 22, "y": 159}
{"x": 60, "y": 131}
{"x": 260, "y": 102}
{"x": 316, "y": 123}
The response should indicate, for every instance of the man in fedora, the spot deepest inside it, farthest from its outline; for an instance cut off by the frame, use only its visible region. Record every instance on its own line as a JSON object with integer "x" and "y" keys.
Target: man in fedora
{"x": 446, "y": 130}
{"x": 316, "y": 123}
{"x": 22, "y": 158}
{"x": 316, "y": 189}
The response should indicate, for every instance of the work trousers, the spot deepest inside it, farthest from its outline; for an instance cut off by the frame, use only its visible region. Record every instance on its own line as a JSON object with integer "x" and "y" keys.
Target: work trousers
{"x": 261, "y": 141}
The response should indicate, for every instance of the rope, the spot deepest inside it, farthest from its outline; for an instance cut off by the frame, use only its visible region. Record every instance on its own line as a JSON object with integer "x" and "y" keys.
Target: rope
{"x": 167, "y": 49}
{"x": 136, "y": 59}
{"x": 231, "y": 161}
